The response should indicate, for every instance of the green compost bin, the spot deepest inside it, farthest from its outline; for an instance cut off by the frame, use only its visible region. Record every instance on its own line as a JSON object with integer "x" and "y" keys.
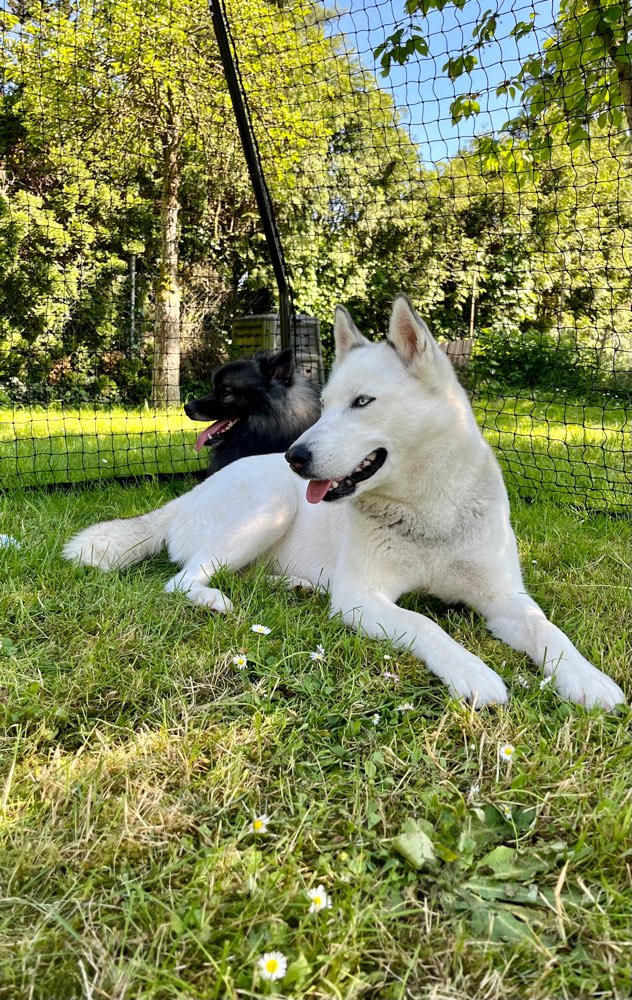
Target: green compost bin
{"x": 263, "y": 333}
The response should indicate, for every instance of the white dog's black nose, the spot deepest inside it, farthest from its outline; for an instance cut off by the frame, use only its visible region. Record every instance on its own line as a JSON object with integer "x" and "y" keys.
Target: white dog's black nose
{"x": 298, "y": 456}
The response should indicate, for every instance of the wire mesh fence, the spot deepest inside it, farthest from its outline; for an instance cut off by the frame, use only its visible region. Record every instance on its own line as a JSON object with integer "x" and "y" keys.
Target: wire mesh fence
{"x": 477, "y": 159}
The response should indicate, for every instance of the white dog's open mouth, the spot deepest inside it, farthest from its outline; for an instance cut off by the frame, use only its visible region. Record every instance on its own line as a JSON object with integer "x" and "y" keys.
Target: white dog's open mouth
{"x": 214, "y": 431}
{"x": 336, "y": 489}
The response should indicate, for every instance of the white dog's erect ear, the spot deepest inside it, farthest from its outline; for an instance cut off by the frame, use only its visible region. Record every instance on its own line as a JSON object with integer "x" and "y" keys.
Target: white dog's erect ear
{"x": 346, "y": 334}
{"x": 409, "y": 335}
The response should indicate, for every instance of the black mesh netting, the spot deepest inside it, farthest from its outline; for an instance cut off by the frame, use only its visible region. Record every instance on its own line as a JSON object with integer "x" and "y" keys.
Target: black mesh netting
{"x": 478, "y": 159}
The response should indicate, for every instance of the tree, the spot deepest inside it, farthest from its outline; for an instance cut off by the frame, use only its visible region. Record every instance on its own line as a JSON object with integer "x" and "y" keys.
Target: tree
{"x": 109, "y": 79}
{"x": 350, "y": 207}
{"x": 130, "y": 98}
{"x": 128, "y": 88}
{"x": 581, "y": 75}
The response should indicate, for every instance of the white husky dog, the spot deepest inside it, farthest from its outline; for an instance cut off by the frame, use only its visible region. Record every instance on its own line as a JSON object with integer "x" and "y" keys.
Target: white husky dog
{"x": 403, "y": 494}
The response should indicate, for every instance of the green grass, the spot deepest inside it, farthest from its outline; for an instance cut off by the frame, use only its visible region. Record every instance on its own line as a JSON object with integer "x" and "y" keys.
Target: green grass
{"x": 574, "y": 452}
{"x": 571, "y": 451}
{"x": 55, "y": 445}
{"x": 136, "y": 754}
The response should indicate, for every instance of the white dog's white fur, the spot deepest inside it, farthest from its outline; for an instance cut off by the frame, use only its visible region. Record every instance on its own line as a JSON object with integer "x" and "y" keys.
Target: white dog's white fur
{"x": 434, "y": 517}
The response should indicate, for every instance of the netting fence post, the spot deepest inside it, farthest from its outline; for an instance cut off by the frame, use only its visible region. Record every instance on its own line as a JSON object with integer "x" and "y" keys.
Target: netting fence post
{"x": 253, "y": 161}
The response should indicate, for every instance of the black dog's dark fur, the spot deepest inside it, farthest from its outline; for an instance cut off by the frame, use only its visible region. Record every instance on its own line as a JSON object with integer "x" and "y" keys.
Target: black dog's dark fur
{"x": 270, "y": 401}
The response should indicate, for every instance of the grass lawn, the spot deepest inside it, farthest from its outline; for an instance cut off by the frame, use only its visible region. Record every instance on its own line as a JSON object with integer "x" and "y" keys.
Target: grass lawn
{"x": 136, "y": 755}
{"x": 571, "y": 451}
{"x": 575, "y": 452}
{"x": 54, "y": 445}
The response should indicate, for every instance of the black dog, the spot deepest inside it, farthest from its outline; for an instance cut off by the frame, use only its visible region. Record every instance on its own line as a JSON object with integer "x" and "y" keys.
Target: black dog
{"x": 259, "y": 405}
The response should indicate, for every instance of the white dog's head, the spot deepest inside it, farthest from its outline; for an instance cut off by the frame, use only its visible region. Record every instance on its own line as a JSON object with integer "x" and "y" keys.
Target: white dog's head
{"x": 385, "y": 405}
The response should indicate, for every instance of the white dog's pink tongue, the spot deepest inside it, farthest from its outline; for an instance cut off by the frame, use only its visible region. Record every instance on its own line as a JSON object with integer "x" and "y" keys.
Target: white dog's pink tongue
{"x": 316, "y": 489}
{"x": 202, "y": 438}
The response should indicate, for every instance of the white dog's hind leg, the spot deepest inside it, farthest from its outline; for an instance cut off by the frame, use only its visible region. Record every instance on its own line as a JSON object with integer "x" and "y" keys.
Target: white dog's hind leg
{"x": 521, "y": 623}
{"x": 124, "y": 541}
{"x": 464, "y": 673}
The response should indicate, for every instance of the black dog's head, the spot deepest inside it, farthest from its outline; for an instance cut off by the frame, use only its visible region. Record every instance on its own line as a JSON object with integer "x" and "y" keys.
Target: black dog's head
{"x": 241, "y": 388}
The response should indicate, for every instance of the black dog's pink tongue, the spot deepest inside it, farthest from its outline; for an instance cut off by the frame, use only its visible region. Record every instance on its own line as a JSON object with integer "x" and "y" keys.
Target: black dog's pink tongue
{"x": 215, "y": 428}
{"x": 316, "y": 489}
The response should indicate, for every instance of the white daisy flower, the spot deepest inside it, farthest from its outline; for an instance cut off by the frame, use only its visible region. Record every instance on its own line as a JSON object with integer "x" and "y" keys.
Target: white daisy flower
{"x": 406, "y": 706}
{"x": 318, "y": 654}
{"x": 388, "y": 675}
{"x": 474, "y": 791}
{"x": 387, "y": 656}
{"x": 506, "y": 811}
{"x": 319, "y": 899}
{"x": 272, "y": 965}
{"x": 240, "y": 661}
{"x": 506, "y": 751}
{"x": 260, "y": 629}
{"x": 522, "y": 681}
{"x": 260, "y": 824}
{"x": 376, "y": 718}
{"x": 8, "y": 542}
{"x": 545, "y": 681}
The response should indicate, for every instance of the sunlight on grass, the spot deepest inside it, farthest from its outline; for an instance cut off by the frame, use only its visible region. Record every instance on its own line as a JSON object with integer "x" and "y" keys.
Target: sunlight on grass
{"x": 578, "y": 452}
{"x": 138, "y": 753}
{"x": 40, "y": 446}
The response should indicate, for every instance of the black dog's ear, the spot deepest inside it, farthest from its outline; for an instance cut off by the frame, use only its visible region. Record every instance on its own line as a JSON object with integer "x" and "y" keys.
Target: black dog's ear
{"x": 279, "y": 366}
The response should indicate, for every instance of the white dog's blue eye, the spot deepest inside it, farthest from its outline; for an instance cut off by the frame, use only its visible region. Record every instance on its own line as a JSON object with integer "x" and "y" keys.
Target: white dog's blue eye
{"x": 363, "y": 400}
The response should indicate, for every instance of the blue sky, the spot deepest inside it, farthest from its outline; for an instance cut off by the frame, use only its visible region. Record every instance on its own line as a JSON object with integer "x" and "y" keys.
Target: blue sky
{"x": 421, "y": 90}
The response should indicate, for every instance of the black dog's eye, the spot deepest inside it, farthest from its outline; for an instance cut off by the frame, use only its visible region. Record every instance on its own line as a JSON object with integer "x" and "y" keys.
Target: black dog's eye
{"x": 362, "y": 401}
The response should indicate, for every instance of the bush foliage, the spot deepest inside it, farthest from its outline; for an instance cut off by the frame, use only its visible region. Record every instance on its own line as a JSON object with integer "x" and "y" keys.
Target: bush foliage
{"x": 90, "y": 96}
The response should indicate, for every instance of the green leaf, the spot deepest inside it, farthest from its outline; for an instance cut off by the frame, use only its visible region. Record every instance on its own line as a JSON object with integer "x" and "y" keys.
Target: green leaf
{"x": 297, "y": 971}
{"x": 488, "y": 889}
{"x": 446, "y": 853}
{"x": 485, "y": 30}
{"x": 502, "y": 861}
{"x": 509, "y": 864}
{"x": 373, "y": 815}
{"x": 464, "y": 107}
{"x": 420, "y": 45}
{"x": 454, "y": 67}
{"x": 577, "y": 135}
{"x": 498, "y": 924}
{"x": 522, "y": 28}
{"x": 370, "y": 769}
{"x": 611, "y": 13}
{"x": 415, "y": 845}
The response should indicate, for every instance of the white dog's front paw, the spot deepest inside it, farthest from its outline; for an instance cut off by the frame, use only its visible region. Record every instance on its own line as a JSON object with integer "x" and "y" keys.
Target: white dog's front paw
{"x": 197, "y": 593}
{"x": 209, "y": 597}
{"x": 296, "y": 583}
{"x": 476, "y": 682}
{"x": 585, "y": 685}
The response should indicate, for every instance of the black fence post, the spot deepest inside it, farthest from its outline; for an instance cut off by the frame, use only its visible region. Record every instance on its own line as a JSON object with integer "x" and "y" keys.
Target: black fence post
{"x": 255, "y": 170}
